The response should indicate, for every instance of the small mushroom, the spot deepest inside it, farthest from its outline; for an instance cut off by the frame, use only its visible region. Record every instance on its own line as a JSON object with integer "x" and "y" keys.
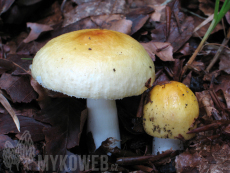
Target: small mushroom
{"x": 169, "y": 114}
{"x": 88, "y": 64}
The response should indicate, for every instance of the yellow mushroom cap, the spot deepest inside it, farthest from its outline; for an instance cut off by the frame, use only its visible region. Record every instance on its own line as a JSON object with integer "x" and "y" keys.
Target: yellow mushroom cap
{"x": 170, "y": 111}
{"x": 94, "y": 63}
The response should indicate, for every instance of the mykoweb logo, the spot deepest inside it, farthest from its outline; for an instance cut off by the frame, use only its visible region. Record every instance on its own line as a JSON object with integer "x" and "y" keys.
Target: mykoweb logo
{"x": 24, "y": 152}
{"x": 77, "y": 162}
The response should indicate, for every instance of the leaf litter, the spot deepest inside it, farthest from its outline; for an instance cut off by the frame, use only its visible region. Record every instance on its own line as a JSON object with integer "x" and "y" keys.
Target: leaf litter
{"x": 56, "y": 122}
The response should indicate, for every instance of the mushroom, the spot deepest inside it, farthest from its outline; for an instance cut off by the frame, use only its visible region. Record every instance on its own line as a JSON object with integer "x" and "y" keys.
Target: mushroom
{"x": 170, "y": 113}
{"x": 97, "y": 64}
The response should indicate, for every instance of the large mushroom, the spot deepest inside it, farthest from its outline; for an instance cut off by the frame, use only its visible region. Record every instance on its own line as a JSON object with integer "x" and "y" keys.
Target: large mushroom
{"x": 169, "y": 114}
{"x": 97, "y": 64}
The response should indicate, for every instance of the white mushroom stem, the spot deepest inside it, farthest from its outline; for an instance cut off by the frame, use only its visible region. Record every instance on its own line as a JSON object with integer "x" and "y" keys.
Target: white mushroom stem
{"x": 162, "y": 144}
{"x": 103, "y": 121}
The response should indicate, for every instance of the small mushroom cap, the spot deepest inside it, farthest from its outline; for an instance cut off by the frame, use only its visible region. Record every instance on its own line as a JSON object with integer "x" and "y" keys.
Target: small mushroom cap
{"x": 171, "y": 110}
{"x": 94, "y": 63}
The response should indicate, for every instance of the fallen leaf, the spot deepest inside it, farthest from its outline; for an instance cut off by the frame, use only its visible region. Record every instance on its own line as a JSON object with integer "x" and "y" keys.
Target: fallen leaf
{"x": 227, "y": 15}
{"x": 201, "y": 26}
{"x": 5, "y": 5}
{"x": 177, "y": 68}
{"x": 28, "y": 2}
{"x": 67, "y": 119}
{"x": 10, "y": 110}
{"x": 224, "y": 86}
{"x": 85, "y": 23}
{"x": 162, "y": 78}
{"x": 224, "y": 63}
{"x": 15, "y": 42}
{"x": 163, "y": 50}
{"x": 207, "y": 7}
{"x": 205, "y": 101}
{"x": 36, "y": 31}
{"x": 19, "y": 14}
{"x": 158, "y": 34}
{"x": 95, "y": 8}
{"x": 22, "y": 65}
{"x": 128, "y": 121}
{"x": 187, "y": 79}
{"x": 139, "y": 17}
{"x": 122, "y": 25}
{"x": 34, "y": 127}
{"x": 18, "y": 88}
{"x": 181, "y": 27}
{"x": 6, "y": 65}
{"x": 159, "y": 13}
{"x": 53, "y": 15}
{"x": 208, "y": 158}
{"x": 116, "y": 22}
{"x": 3, "y": 140}
{"x": 186, "y": 50}
{"x": 187, "y": 162}
{"x": 197, "y": 66}
{"x": 179, "y": 36}
{"x": 103, "y": 19}
{"x": 209, "y": 76}
{"x": 43, "y": 98}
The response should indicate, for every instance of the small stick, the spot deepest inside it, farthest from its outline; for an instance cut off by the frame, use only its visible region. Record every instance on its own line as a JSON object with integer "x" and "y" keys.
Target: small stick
{"x": 142, "y": 159}
{"x": 10, "y": 110}
{"x": 143, "y": 168}
{"x": 219, "y": 51}
{"x": 168, "y": 20}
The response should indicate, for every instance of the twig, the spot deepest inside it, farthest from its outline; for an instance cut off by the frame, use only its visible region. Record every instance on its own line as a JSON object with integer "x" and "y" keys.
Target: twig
{"x": 207, "y": 20}
{"x": 216, "y": 45}
{"x": 142, "y": 159}
{"x": 187, "y": 11}
{"x": 218, "y": 15}
{"x": 143, "y": 168}
{"x": 199, "y": 48}
{"x": 10, "y": 110}
{"x": 219, "y": 51}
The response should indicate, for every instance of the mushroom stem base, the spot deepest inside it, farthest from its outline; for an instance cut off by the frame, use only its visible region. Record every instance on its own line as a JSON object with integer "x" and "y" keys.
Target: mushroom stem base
{"x": 103, "y": 121}
{"x": 162, "y": 144}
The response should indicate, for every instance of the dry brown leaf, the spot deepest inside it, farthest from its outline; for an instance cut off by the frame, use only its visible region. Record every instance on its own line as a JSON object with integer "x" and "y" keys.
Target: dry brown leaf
{"x": 54, "y": 15}
{"x": 187, "y": 162}
{"x": 67, "y": 117}
{"x": 10, "y": 110}
{"x": 185, "y": 50}
{"x": 3, "y": 143}
{"x": 28, "y": 2}
{"x": 36, "y": 31}
{"x": 206, "y": 102}
{"x": 227, "y": 15}
{"x": 159, "y": 14}
{"x": 95, "y": 8}
{"x": 43, "y": 98}
{"x": 122, "y": 25}
{"x": 139, "y": 17}
{"x": 208, "y": 158}
{"x": 207, "y": 7}
{"x": 5, "y": 5}
{"x": 163, "y": 50}
{"x": 18, "y": 88}
{"x": 78, "y": 2}
{"x": 203, "y": 25}
{"x": 104, "y": 19}
{"x": 224, "y": 86}
{"x": 6, "y": 65}
{"x": 197, "y": 66}
{"x": 224, "y": 63}
{"x": 141, "y": 3}
{"x": 179, "y": 36}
